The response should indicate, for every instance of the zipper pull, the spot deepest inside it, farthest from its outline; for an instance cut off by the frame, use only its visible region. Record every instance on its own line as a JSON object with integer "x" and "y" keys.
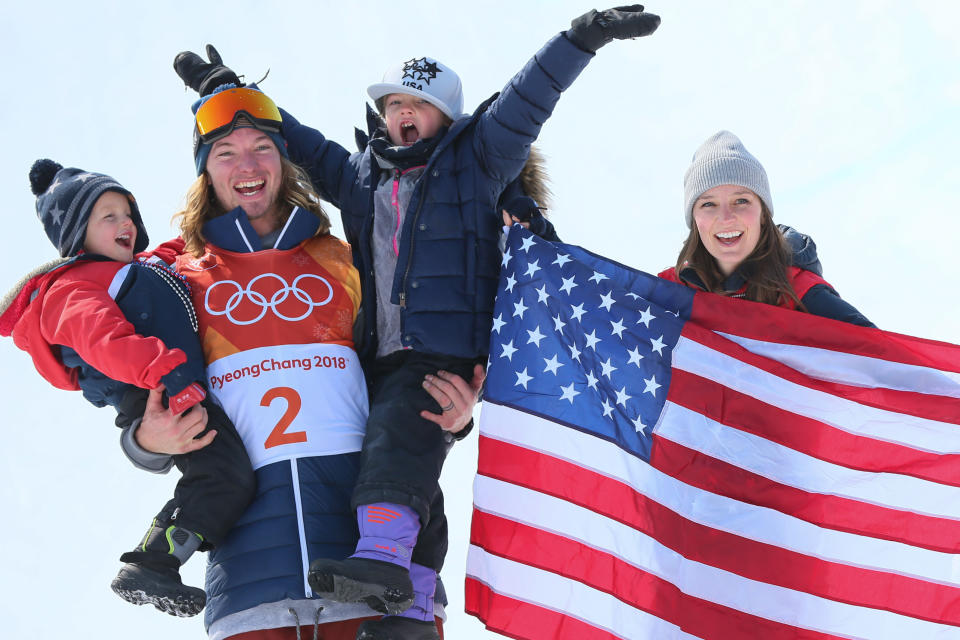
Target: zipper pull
{"x": 403, "y": 299}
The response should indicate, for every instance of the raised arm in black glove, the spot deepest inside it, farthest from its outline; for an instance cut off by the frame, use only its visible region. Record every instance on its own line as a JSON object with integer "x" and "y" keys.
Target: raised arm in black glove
{"x": 595, "y": 28}
{"x": 202, "y": 76}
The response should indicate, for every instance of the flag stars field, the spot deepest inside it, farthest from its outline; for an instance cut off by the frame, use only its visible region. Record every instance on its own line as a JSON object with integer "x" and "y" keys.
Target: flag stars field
{"x": 518, "y": 309}
{"x": 592, "y": 340}
{"x": 568, "y": 393}
{"x": 535, "y": 336}
{"x": 561, "y": 260}
{"x": 542, "y": 295}
{"x": 552, "y": 364}
{"x": 606, "y": 301}
{"x": 646, "y": 317}
{"x": 591, "y": 352}
{"x": 657, "y": 344}
{"x": 617, "y": 328}
{"x": 523, "y": 378}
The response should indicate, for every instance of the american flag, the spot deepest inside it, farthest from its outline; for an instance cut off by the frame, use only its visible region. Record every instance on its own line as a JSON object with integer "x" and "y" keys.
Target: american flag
{"x": 659, "y": 463}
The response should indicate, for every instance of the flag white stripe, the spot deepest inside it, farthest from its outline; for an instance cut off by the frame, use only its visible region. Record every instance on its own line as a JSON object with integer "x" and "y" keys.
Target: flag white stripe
{"x": 853, "y": 369}
{"x": 700, "y": 580}
{"x": 749, "y": 521}
{"x": 795, "y": 469}
{"x": 566, "y": 596}
{"x": 910, "y": 431}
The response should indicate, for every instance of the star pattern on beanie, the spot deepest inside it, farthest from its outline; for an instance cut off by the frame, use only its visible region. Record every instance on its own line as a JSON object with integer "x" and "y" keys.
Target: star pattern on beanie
{"x": 56, "y": 213}
{"x": 65, "y": 200}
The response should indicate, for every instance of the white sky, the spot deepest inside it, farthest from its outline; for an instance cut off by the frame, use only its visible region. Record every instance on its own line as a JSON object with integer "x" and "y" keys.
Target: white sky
{"x": 852, "y": 107}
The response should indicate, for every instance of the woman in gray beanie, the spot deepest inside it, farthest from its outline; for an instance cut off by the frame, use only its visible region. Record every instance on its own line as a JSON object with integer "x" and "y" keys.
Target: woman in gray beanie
{"x": 734, "y": 248}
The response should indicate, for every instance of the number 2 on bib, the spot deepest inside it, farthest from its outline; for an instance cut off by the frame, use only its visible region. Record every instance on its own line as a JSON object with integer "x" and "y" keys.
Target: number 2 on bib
{"x": 279, "y": 434}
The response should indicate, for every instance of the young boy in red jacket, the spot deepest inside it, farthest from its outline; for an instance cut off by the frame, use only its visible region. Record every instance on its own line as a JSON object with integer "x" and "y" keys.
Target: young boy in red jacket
{"x": 114, "y": 327}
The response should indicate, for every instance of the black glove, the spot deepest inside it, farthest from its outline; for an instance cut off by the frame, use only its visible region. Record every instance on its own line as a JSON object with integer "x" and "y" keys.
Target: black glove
{"x": 525, "y": 209}
{"x": 202, "y": 76}
{"x": 594, "y": 29}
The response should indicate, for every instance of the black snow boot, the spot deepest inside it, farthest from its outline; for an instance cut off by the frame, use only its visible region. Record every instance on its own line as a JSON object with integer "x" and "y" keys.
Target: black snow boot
{"x": 151, "y": 574}
{"x": 398, "y": 628}
{"x": 384, "y": 586}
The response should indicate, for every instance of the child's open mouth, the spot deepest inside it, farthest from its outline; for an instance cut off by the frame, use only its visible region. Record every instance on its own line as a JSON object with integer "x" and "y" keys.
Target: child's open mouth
{"x": 409, "y": 133}
{"x": 728, "y": 238}
{"x": 249, "y": 187}
{"x": 124, "y": 240}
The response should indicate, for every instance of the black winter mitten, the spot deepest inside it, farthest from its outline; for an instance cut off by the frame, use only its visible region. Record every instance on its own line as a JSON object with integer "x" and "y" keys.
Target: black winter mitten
{"x": 525, "y": 209}
{"x": 202, "y": 76}
{"x": 595, "y": 28}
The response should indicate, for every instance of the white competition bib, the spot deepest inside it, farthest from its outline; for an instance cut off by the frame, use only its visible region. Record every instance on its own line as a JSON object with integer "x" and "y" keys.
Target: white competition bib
{"x": 291, "y": 401}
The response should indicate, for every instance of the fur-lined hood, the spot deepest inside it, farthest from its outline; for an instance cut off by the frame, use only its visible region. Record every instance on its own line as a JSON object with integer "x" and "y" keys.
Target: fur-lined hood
{"x": 16, "y": 300}
{"x": 534, "y": 179}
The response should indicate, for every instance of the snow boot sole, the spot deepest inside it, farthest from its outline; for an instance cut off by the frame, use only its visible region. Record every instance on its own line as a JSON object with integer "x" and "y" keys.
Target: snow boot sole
{"x": 138, "y": 585}
{"x": 383, "y": 586}
{"x": 398, "y": 628}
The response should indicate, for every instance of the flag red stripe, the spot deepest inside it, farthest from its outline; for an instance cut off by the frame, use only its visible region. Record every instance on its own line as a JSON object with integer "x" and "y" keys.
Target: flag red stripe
{"x": 940, "y": 408}
{"x": 932, "y": 407}
{"x": 807, "y": 435}
{"x": 637, "y": 588}
{"x": 775, "y": 324}
{"x": 831, "y": 512}
{"x": 525, "y": 621}
{"x": 749, "y": 558}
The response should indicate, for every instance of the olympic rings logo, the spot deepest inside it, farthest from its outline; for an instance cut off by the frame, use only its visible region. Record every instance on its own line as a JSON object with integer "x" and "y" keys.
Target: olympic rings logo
{"x": 255, "y": 297}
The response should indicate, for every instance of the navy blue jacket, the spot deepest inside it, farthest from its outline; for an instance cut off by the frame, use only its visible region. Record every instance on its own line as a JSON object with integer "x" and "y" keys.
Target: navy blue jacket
{"x": 449, "y": 261}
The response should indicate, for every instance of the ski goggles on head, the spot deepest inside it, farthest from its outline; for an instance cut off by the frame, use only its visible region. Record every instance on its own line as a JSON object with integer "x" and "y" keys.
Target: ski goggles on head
{"x": 219, "y": 114}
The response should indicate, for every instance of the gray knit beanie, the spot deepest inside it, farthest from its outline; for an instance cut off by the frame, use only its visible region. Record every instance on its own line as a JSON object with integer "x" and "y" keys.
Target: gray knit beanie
{"x": 723, "y": 159}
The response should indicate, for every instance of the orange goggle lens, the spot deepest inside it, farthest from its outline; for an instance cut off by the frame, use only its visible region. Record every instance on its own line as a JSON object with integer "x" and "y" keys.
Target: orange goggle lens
{"x": 221, "y": 110}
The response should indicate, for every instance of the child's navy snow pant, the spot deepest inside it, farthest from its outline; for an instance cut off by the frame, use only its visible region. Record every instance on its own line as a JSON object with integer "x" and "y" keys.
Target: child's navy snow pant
{"x": 403, "y": 453}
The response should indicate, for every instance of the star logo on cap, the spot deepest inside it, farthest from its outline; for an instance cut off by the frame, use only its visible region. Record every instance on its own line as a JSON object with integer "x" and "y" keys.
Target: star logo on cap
{"x": 429, "y": 71}
{"x": 410, "y": 69}
{"x": 420, "y": 69}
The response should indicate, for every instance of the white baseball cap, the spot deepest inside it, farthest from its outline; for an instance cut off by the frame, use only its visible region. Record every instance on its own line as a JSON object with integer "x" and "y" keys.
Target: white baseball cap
{"x": 425, "y": 78}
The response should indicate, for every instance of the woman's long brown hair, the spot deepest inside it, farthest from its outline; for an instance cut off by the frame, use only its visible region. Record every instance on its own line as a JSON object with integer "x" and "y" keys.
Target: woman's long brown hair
{"x": 201, "y": 205}
{"x": 765, "y": 269}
